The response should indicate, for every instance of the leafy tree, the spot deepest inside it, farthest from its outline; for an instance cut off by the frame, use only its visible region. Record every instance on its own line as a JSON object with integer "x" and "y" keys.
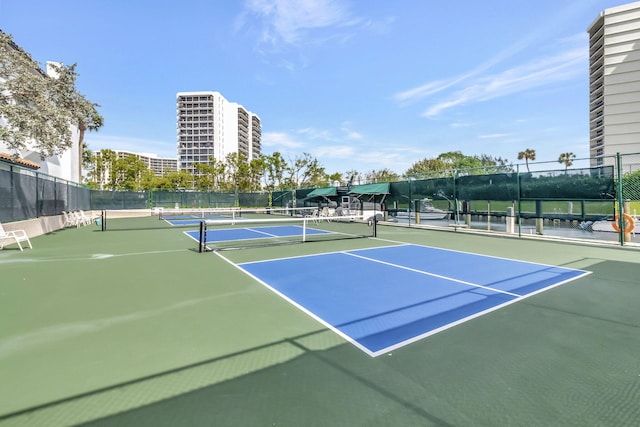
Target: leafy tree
{"x": 128, "y": 172}
{"x": 257, "y": 169}
{"x": 176, "y": 179}
{"x": 83, "y": 113}
{"x": 274, "y": 171}
{"x": 39, "y": 109}
{"x": 566, "y": 159}
{"x": 207, "y": 176}
{"x": 426, "y": 166}
{"x": 527, "y": 155}
{"x": 101, "y": 173}
{"x": 456, "y": 160}
{"x": 238, "y": 172}
{"x": 149, "y": 180}
{"x": 492, "y": 164}
{"x": 354, "y": 177}
{"x": 109, "y": 171}
{"x": 305, "y": 171}
{"x": 384, "y": 175}
{"x": 335, "y": 177}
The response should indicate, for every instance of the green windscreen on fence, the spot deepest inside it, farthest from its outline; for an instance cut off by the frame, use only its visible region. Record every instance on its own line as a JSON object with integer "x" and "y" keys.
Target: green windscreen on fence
{"x": 588, "y": 183}
{"x": 26, "y": 194}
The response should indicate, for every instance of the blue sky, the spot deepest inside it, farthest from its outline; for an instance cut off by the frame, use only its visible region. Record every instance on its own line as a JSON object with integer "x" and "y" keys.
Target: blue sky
{"x": 360, "y": 85}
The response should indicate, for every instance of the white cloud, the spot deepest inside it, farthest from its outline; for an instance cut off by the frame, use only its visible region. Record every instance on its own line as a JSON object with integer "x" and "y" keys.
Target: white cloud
{"x": 334, "y": 151}
{"x": 539, "y": 72}
{"x": 460, "y": 125}
{"x": 423, "y": 91}
{"x": 313, "y": 133}
{"x": 494, "y": 135}
{"x": 353, "y": 135}
{"x": 280, "y": 139}
{"x": 288, "y": 21}
{"x": 344, "y": 133}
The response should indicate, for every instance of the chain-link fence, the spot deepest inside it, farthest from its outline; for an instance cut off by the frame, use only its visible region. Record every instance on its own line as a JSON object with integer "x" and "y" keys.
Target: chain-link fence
{"x": 589, "y": 199}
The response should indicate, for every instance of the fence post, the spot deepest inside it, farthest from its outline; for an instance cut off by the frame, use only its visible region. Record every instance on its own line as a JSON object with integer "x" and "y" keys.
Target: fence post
{"x": 627, "y": 211}
{"x": 518, "y": 204}
{"x": 510, "y": 220}
{"x": 619, "y": 197}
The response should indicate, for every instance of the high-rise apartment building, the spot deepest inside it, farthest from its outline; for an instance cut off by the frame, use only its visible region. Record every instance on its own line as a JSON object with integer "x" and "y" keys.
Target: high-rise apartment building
{"x": 614, "y": 85}
{"x": 209, "y": 126}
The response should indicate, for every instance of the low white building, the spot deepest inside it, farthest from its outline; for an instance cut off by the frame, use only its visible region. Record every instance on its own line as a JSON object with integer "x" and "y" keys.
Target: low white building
{"x": 67, "y": 166}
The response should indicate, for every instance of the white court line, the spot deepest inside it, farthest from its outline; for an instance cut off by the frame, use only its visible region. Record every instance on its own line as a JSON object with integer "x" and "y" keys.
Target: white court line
{"x": 482, "y": 255}
{"x": 314, "y": 255}
{"x": 300, "y": 307}
{"x": 259, "y": 232}
{"x": 426, "y": 273}
{"x": 408, "y": 341}
{"x": 88, "y": 257}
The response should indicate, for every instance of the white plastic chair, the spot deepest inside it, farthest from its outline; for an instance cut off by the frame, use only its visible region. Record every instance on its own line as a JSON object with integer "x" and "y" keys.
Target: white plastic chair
{"x": 313, "y": 215}
{"x": 80, "y": 219}
{"x": 86, "y": 219}
{"x": 14, "y": 236}
{"x": 324, "y": 213}
{"x": 69, "y": 220}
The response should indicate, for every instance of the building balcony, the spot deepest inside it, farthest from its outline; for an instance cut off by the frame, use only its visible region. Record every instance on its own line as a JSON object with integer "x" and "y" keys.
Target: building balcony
{"x": 594, "y": 69}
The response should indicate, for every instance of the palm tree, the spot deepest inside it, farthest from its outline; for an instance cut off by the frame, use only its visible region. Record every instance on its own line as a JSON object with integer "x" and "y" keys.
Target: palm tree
{"x": 527, "y": 155}
{"x": 566, "y": 159}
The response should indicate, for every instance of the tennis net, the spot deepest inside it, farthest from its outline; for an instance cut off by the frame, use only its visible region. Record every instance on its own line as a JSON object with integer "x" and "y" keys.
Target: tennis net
{"x": 167, "y": 218}
{"x": 218, "y": 235}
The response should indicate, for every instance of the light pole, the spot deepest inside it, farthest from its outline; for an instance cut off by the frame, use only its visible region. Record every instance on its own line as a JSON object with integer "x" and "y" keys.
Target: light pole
{"x": 441, "y": 194}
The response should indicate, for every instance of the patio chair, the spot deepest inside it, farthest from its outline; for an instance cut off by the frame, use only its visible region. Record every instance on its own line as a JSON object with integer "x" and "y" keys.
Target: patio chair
{"x": 86, "y": 219}
{"x": 14, "y": 236}
{"x": 313, "y": 215}
{"x": 69, "y": 220}
{"x": 80, "y": 218}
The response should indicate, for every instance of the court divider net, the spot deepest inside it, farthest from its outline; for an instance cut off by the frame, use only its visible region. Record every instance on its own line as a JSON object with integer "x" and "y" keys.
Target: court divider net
{"x": 220, "y": 235}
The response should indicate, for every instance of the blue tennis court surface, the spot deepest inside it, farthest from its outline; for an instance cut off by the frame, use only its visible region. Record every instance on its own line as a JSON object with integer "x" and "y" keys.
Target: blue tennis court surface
{"x": 250, "y": 233}
{"x": 381, "y": 299}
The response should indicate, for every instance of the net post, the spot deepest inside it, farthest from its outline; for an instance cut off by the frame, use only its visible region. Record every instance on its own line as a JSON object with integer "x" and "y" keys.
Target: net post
{"x": 202, "y": 240}
{"x": 304, "y": 230}
{"x": 375, "y": 226}
{"x": 103, "y": 221}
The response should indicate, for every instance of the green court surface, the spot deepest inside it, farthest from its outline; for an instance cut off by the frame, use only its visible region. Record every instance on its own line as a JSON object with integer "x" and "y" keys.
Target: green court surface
{"x": 136, "y": 328}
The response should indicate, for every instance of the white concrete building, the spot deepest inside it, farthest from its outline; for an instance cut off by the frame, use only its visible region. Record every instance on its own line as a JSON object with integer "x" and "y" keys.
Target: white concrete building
{"x": 614, "y": 86}
{"x": 210, "y": 126}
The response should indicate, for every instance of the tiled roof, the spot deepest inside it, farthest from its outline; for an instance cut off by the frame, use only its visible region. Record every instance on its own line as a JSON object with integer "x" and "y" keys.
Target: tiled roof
{"x": 22, "y": 162}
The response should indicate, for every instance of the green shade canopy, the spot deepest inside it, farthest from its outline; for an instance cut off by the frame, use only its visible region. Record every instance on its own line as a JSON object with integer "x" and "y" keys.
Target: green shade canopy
{"x": 379, "y": 188}
{"x": 322, "y": 192}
